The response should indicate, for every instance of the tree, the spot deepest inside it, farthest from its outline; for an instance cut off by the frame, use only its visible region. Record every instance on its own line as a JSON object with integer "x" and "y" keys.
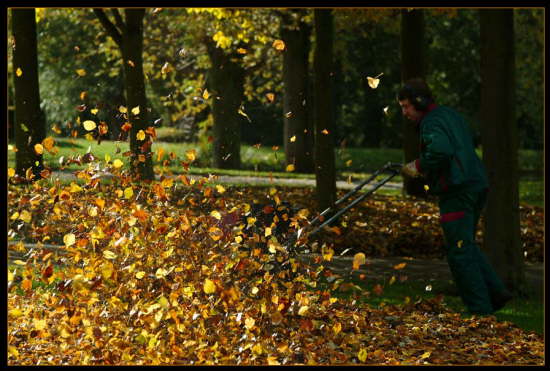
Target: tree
{"x": 128, "y": 35}
{"x": 225, "y": 80}
{"x": 500, "y": 145}
{"x": 30, "y": 125}
{"x": 298, "y": 135}
{"x": 412, "y": 65}
{"x": 325, "y": 173}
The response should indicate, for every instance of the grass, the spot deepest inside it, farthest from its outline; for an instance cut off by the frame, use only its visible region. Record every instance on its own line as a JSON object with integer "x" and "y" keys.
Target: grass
{"x": 269, "y": 162}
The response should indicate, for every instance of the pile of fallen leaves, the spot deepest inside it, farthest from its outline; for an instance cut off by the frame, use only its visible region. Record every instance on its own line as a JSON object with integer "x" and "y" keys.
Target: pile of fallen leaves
{"x": 180, "y": 272}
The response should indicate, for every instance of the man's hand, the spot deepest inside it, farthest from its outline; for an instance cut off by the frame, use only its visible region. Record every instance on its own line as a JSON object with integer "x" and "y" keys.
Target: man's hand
{"x": 410, "y": 170}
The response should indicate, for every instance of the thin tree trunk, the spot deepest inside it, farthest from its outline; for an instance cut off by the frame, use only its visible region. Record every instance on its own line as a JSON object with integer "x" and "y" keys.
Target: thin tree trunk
{"x": 30, "y": 125}
{"x": 135, "y": 92}
{"x": 295, "y": 102}
{"x": 325, "y": 172}
{"x": 500, "y": 146}
{"x": 413, "y": 64}
{"x": 225, "y": 83}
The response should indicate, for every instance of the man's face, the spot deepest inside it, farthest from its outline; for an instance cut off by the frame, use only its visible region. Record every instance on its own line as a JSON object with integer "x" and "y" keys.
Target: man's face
{"x": 409, "y": 111}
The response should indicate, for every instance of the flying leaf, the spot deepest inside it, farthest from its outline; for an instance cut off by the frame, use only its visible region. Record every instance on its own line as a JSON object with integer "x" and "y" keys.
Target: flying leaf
{"x": 117, "y": 163}
{"x": 290, "y": 167}
{"x": 220, "y": 188}
{"x": 140, "y": 135}
{"x": 241, "y": 112}
{"x": 107, "y": 254}
{"x": 89, "y": 125}
{"x": 386, "y": 110}
{"x": 191, "y": 155}
{"x": 11, "y": 172}
{"x": 400, "y": 266}
{"x": 270, "y": 97}
{"x": 69, "y": 239}
{"x": 135, "y": 110}
{"x": 19, "y": 72}
{"x": 205, "y": 94}
{"x": 81, "y": 72}
{"x": 358, "y": 260}
{"x": 122, "y": 109}
{"x": 38, "y": 148}
{"x": 325, "y": 131}
{"x": 94, "y": 111}
{"x": 279, "y": 44}
{"x": 128, "y": 193}
{"x": 373, "y": 82}
{"x": 209, "y": 286}
{"x": 293, "y": 138}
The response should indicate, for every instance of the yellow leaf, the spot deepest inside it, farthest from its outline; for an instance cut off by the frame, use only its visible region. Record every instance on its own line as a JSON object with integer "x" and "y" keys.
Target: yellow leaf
{"x": 20, "y": 262}
{"x": 386, "y": 110}
{"x": 249, "y": 322}
{"x": 69, "y": 239}
{"x": 362, "y": 355}
{"x": 272, "y": 361}
{"x": 161, "y": 273}
{"x": 75, "y": 188}
{"x": 348, "y": 163}
{"x": 205, "y": 94}
{"x": 107, "y": 254}
{"x": 117, "y": 163}
{"x": 358, "y": 260}
{"x": 373, "y": 82}
{"x": 128, "y": 193}
{"x": 290, "y": 167}
{"x": 216, "y": 214}
{"x": 337, "y": 328}
{"x": 48, "y": 143}
{"x": 81, "y": 72}
{"x": 279, "y": 44}
{"x": 270, "y": 97}
{"x": 392, "y": 280}
{"x": 140, "y": 275}
{"x": 220, "y": 188}
{"x": 425, "y": 355}
{"x": 242, "y": 51}
{"x": 19, "y": 72}
{"x": 238, "y": 239}
{"x": 38, "y": 148}
{"x": 325, "y": 131}
{"x": 267, "y": 232}
{"x": 459, "y": 244}
{"x": 106, "y": 270}
{"x": 135, "y": 110}
{"x": 89, "y": 125}
{"x": 92, "y": 211}
{"x": 209, "y": 286}
{"x": 303, "y": 310}
{"x": 13, "y": 351}
{"x": 25, "y": 216}
{"x": 293, "y": 138}
{"x": 122, "y": 109}
{"x": 39, "y": 324}
{"x": 11, "y": 172}
{"x": 191, "y": 155}
{"x": 166, "y": 67}
{"x": 140, "y": 135}
{"x": 94, "y": 111}
{"x": 426, "y": 187}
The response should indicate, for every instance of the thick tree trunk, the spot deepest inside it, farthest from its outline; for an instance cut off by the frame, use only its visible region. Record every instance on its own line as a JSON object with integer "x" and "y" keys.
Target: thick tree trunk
{"x": 325, "y": 173}
{"x": 413, "y": 64}
{"x": 135, "y": 92}
{"x": 30, "y": 125}
{"x": 295, "y": 103}
{"x": 500, "y": 146}
{"x": 225, "y": 84}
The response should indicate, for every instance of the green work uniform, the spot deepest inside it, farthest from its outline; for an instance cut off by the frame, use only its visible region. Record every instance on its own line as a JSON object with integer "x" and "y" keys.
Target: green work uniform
{"x": 455, "y": 173}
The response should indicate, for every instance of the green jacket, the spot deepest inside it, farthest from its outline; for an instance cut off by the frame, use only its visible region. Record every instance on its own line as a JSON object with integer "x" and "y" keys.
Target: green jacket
{"x": 447, "y": 155}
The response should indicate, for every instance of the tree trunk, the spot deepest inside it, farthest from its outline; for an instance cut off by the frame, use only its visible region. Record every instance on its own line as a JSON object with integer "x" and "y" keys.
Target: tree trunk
{"x": 413, "y": 64}
{"x": 500, "y": 146}
{"x": 295, "y": 103}
{"x": 128, "y": 35}
{"x": 30, "y": 125}
{"x": 134, "y": 82}
{"x": 226, "y": 85}
{"x": 325, "y": 173}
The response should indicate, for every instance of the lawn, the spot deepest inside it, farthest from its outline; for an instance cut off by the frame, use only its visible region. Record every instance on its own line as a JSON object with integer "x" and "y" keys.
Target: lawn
{"x": 269, "y": 162}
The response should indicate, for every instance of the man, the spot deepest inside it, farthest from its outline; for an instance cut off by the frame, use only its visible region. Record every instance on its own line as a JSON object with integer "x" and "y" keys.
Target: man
{"x": 454, "y": 172}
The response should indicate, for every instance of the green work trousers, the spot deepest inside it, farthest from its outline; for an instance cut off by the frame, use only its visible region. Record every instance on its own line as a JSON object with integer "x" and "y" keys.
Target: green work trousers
{"x": 474, "y": 276}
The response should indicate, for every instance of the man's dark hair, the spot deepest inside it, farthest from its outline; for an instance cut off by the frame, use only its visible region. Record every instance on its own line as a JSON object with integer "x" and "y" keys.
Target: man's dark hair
{"x": 417, "y": 92}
